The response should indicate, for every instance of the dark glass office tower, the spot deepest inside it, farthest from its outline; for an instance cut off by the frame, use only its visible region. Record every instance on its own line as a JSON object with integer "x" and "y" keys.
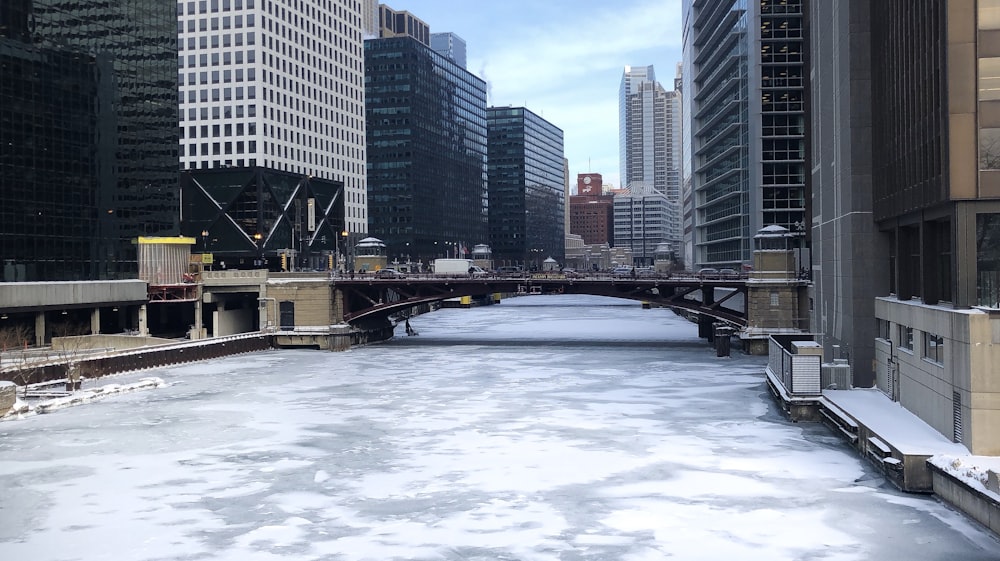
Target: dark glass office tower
{"x": 526, "y": 177}
{"x": 88, "y": 129}
{"x": 426, "y": 123}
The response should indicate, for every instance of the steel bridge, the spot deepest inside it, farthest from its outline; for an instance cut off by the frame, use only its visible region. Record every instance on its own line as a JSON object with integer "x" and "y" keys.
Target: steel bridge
{"x": 724, "y": 300}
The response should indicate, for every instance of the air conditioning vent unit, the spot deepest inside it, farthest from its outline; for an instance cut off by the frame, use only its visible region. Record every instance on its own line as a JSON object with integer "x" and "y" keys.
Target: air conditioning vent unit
{"x": 836, "y": 375}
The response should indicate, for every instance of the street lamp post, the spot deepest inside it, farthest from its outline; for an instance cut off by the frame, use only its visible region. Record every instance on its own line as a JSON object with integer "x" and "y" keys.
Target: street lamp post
{"x": 259, "y": 259}
{"x": 347, "y": 249}
{"x": 204, "y": 248}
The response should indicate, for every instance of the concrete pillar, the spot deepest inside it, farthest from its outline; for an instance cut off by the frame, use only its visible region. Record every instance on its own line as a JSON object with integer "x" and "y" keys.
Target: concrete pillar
{"x": 338, "y": 306}
{"x": 197, "y": 318}
{"x": 143, "y": 321}
{"x": 40, "y": 328}
{"x": 705, "y": 327}
{"x": 95, "y": 321}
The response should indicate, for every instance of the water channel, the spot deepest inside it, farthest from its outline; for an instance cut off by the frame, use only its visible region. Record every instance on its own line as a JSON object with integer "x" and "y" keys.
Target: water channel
{"x": 545, "y": 428}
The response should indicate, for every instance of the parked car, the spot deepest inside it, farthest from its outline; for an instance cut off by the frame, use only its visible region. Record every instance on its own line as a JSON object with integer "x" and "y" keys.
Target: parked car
{"x": 728, "y": 274}
{"x": 510, "y": 271}
{"x": 389, "y": 274}
{"x": 708, "y": 273}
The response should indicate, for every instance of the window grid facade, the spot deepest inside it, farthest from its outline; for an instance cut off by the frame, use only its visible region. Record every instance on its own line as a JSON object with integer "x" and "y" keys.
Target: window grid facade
{"x": 748, "y": 151}
{"x": 426, "y": 151}
{"x": 278, "y": 85}
{"x": 650, "y": 136}
{"x": 526, "y": 188}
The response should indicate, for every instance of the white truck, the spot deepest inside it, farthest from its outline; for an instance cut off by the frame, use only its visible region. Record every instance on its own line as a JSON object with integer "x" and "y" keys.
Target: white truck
{"x": 458, "y": 267}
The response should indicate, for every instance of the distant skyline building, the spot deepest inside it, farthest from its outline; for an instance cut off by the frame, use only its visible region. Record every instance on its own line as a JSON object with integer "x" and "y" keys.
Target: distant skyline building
{"x": 275, "y": 89}
{"x": 401, "y": 23}
{"x": 650, "y": 136}
{"x": 747, "y": 150}
{"x": 427, "y": 151}
{"x": 450, "y": 45}
{"x": 526, "y": 188}
{"x": 592, "y": 211}
{"x": 642, "y": 221}
{"x": 88, "y": 130}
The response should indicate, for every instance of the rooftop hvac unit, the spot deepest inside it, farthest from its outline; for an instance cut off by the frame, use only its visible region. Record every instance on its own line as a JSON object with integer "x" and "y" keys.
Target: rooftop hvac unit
{"x": 835, "y": 375}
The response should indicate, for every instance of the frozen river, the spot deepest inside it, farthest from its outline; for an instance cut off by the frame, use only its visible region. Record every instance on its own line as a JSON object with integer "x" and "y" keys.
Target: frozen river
{"x": 546, "y": 428}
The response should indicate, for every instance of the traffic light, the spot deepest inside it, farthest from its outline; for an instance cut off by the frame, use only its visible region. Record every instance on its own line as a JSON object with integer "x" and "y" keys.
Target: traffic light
{"x": 329, "y": 262}
{"x": 284, "y": 261}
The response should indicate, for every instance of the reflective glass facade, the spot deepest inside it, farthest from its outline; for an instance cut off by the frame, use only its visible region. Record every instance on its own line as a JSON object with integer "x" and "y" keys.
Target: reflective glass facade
{"x": 748, "y": 152}
{"x": 426, "y": 123}
{"x": 88, "y": 125}
{"x": 527, "y": 178}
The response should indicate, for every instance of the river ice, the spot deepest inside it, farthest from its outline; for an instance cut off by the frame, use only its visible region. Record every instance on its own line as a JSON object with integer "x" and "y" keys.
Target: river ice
{"x": 545, "y": 428}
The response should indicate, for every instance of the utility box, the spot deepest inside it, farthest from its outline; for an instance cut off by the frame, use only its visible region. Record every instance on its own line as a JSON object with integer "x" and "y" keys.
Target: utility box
{"x": 836, "y": 375}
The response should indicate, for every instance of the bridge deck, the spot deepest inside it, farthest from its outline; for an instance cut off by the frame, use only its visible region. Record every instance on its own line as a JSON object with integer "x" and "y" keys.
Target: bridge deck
{"x": 723, "y": 299}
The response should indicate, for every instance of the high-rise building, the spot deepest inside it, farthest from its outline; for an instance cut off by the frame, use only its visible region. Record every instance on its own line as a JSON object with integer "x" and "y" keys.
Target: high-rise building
{"x": 275, "y": 89}
{"x": 906, "y": 211}
{"x": 650, "y": 137}
{"x": 936, "y": 203}
{"x": 426, "y": 115}
{"x": 450, "y": 45}
{"x": 526, "y": 188}
{"x": 748, "y": 149}
{"x": 88, "y": 129}
{"x": 845, "y": 249}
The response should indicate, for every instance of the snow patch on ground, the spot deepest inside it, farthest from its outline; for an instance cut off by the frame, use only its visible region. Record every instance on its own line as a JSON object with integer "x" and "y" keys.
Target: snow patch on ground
{"x": 22, "y": 408}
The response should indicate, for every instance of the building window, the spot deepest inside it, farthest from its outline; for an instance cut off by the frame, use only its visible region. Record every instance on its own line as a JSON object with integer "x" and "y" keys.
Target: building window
{"x": 988, "y": 259}
{"x": 934, "y": 348}
{"x": 906, "y": 338}
{"x": 882, "y": 329}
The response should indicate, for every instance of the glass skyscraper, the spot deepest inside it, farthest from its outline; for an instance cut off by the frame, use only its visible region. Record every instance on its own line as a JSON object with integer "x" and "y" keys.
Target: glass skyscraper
{"x": 526, "y": 178}
{"x": 748, "y": 152}
{"x": 88, "y": 126}
{"x": 426, "y": 122}
{"x": 650, "y": 143}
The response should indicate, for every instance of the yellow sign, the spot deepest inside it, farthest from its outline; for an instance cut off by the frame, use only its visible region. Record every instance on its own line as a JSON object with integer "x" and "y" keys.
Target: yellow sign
{"x": 207, "y": 259}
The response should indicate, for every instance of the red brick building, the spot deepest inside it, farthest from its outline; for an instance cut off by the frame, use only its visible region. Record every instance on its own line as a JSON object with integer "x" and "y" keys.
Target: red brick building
{"x": 591, "y": 213}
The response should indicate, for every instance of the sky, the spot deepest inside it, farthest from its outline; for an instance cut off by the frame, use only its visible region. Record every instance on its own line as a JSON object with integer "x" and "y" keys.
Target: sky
{"x": 563, "y": 60}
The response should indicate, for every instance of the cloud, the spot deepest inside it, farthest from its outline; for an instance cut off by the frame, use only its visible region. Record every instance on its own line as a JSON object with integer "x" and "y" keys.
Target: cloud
{"x": 563, "y": 59}
{"x": 542, "y": 57}
{"x": 567, "y": 65}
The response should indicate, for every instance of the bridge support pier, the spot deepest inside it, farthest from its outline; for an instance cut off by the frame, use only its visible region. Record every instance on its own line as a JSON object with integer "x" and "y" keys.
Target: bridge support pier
{"x": 706, "y": 328}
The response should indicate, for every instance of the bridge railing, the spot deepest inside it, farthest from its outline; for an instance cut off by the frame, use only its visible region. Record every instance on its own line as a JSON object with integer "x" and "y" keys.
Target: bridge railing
{"x": 799, "y": 374}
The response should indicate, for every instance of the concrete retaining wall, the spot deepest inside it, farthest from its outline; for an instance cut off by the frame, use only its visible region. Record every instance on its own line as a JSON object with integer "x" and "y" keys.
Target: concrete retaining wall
{"x": 8, "y": 395}
{"x": 147, "y": 357}
{"x": 976, "y": 504}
